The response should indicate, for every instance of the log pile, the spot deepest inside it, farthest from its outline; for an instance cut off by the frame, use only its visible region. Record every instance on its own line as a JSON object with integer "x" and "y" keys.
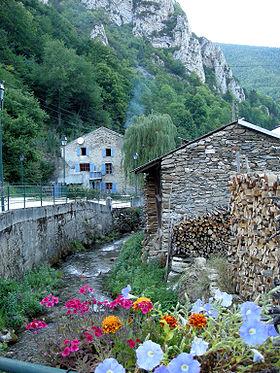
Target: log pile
{"x": 254, "y": 256}
{"x": 199, "y": 237}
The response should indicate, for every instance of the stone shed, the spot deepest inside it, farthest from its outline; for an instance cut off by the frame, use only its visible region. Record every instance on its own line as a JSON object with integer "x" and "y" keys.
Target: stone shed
{"x": 193, "y": 179}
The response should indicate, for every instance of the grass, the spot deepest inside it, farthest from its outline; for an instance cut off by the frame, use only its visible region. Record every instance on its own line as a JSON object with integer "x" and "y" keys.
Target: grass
{"x": 19, "y": 301}
{"x": 144, "y": 278}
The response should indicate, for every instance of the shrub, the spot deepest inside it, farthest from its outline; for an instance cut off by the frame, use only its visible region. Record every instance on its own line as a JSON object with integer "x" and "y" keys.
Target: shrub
{"x": 144, "y": 278}
{"x": 19, "y": 300}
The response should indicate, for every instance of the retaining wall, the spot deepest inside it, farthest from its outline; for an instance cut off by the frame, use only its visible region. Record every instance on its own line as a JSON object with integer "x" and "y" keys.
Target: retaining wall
{"x": 42, "y": 234}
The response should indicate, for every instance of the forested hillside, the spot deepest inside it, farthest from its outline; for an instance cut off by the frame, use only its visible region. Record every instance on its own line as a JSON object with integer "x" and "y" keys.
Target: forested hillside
{"x": 255, "y": 67}
{"x": 60, "y": 82}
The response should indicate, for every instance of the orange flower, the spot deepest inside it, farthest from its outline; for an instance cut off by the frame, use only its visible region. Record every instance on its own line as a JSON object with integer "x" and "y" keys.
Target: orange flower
{"x": 144, "y": 304}
{"x": 197, "y": 320}
{"x": 171, "y": 321}
{"x": 111, "y": 324}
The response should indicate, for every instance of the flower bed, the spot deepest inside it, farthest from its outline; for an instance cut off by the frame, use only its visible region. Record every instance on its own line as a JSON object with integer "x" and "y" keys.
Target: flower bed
{"x": 132, "y": 334}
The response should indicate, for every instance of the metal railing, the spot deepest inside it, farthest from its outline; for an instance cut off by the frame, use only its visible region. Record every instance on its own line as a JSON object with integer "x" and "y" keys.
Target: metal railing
{"x": 24, "y": 196}
{"x": 17, "y": 366}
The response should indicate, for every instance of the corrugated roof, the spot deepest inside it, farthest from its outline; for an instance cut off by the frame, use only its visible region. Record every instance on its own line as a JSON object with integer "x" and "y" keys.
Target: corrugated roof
{"x": 241, "y": 121}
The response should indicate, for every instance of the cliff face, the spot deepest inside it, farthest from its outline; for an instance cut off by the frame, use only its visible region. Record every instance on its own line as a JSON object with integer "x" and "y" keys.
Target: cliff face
{"x": 165, "y": 25}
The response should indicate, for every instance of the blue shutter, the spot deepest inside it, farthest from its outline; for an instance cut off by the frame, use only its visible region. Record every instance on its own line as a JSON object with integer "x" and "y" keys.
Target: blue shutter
{"x": 78, "y": 152}
{"x": 103, "y": 187}
{"x": 87, "y": 151}
{"x": 90, "y": 184}
{"x": 103, "y": 169}
{"x": 114, "y": 188}
{"x": 77, "y": 168}
{"x": 112, "y": 152}
{"x": 112, "y": 168}
{"x": 103, "y": 153}
{"x": 91, "y": 167}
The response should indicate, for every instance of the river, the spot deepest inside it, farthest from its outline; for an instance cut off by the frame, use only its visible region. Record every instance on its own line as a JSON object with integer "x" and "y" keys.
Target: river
{"x": 85, "y": 267}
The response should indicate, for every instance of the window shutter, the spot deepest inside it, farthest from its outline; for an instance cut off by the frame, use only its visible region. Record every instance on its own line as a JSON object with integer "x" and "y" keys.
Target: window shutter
{"x": 103, "y": 169}
{"x": 90, "y": 184}
{"x": 78, "y": 152}
{"x": 103, "y": 187}
{"x": 91, "y": 167}
{"x": 77, "y": 168}
{"x": 103, "y": 153}
{"x": 112, "y": 152}
{"x": 87, "y": 151}
{"x": 114, "y": 188}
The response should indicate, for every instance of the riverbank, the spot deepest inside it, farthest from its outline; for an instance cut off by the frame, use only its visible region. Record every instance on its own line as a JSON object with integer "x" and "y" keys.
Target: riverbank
{"x": 79, "y": 269}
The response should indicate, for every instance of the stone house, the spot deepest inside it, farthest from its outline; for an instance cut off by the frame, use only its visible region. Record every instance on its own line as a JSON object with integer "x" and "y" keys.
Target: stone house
{"x": 94, "y": 161}
{"x": 193, "y": 179}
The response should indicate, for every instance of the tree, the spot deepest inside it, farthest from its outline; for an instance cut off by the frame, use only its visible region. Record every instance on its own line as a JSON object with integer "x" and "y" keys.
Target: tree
{"x": 23, "y": 125}
{"x": 149, "y": 136}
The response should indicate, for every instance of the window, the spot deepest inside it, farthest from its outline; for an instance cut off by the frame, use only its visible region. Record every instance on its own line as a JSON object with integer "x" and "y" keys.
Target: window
{"x": 108, "y": 187}
{"x": 108, "y": 152}
{"x": 83, "y": 151}
{"x": 84, "y": 167}
{"x": 108, "y": 168}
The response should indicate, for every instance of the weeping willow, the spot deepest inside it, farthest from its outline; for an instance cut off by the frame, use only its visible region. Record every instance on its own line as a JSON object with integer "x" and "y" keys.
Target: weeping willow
{"x": 150, "y": 137}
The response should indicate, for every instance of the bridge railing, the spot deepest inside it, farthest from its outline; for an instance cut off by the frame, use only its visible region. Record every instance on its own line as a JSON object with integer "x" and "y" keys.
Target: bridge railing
{"x": 17, "y": 366}
{"x": 24, "y": 196}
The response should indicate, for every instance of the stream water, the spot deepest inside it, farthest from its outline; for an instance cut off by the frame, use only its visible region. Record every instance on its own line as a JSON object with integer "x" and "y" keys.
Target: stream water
{"x": 86, "y": 267}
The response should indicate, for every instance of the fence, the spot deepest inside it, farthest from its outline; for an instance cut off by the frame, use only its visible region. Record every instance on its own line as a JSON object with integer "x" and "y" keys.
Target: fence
{"x": 24, "y": 196}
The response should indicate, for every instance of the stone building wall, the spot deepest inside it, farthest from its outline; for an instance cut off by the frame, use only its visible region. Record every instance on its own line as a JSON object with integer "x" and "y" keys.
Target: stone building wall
{"x": 194, "y": 178}
{"x": 41, "y": 234}
{"x": 96, "y": 142}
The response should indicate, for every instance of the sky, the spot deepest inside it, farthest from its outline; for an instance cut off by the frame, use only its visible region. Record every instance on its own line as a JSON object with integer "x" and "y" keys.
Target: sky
{"x": 248, "y": 22}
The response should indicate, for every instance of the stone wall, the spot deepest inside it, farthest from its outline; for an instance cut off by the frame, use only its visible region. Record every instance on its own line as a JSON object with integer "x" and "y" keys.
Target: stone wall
{"x": 42, "y": 234}
{"x": 254, "y": 256}
{"x": 194, "y": 178}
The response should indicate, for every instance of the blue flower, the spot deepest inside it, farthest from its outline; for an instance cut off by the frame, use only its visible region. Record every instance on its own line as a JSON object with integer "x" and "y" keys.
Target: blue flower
{"x": 271, "y": 331}
{"x": 250, "y": 310}
{"x": 198, "y": 347}
{"x": 253, "y": 332}
{"x": 109, "y": 365}
{"x": 162, "y": 369}
{"x": 257, "y": 356}
{"x": 197, "y": 307}
{"x": 210, "y": 310}
{"x": 224, "y": 297}
{"x": 184, "y": 363}
{"x": 149, "y": 355}
{"x": 125, "y": 292}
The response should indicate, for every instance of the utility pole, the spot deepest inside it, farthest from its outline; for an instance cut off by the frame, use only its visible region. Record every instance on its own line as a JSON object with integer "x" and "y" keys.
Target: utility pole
{"x": 2, "y": 90}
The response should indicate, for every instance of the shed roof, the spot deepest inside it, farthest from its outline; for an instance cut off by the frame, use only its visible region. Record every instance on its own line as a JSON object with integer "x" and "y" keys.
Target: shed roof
{"x": 241, "y": 122}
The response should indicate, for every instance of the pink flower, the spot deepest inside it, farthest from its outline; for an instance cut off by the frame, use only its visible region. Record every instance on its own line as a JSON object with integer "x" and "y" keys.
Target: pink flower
{"x": 66, "y": 342}
{"x": 74, "y": 345}
{"x": 85, "y": 288}
{"x": 36, "y": 324}
{"x": 66, "y": 351}
{"x": 97, "y": 331}
{"x": 55, "y": 300}
{"x": 131, "y": 343}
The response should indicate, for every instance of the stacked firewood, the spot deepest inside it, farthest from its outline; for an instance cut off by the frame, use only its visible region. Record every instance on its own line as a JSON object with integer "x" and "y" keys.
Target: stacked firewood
{"x": 202, "y": 236}
{"x": 255, "y": 255}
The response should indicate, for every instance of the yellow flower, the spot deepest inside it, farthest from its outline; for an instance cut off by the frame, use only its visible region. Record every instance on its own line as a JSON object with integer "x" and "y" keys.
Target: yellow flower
{"x": 111, "y": 324}
{"x": 144, "y": 304}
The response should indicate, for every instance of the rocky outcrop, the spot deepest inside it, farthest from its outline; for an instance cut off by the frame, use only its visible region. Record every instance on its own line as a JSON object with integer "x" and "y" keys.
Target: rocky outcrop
{"x": 99, "y": 33}
{"x": 214, "y": 58}
{"x": 165, "y": 25}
